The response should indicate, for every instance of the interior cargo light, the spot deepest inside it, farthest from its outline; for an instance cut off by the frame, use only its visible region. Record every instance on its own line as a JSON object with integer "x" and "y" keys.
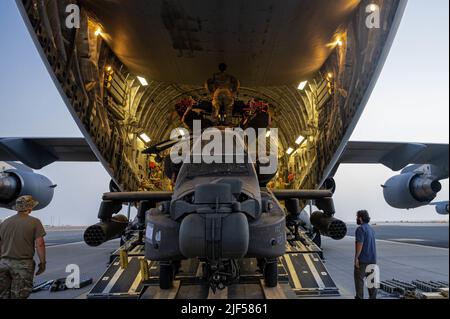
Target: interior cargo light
{"x": 289, "y": 151}
{"x": 302, "y": 85}
{"x": 143, "y": 81}
{"x": 98, "y": 32}
{"x": 268, "y": 133}
{"x": 181, "y": 133}
{"x": 339, "y": 42}
{"x": 144, "y": 137}
{"x": 300, "y": 140}
{"x": 373, "y": 7}
{"x": 330, "y": 75}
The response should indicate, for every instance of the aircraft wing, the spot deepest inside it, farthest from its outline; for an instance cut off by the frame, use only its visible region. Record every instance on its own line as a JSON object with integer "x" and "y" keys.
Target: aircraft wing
{"x": 396, "y": 156}
{"x": 40, "y": 152}
{"x": 14, "y": 165}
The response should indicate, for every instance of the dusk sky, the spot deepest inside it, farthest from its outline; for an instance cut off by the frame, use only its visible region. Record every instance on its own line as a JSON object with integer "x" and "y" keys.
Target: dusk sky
{"x": 409, "y": 104}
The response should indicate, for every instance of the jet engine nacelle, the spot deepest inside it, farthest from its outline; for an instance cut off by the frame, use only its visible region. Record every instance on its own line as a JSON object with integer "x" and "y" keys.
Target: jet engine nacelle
{"x": 411, "y": 190}
{"x": 16, "y": 183}
{"x": 442, "y": 208}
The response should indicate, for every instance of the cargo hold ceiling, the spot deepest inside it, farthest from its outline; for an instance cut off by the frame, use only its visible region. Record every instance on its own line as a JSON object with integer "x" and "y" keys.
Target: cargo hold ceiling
{"x": 264, "y": 42}
{"x": 270, "y": 46}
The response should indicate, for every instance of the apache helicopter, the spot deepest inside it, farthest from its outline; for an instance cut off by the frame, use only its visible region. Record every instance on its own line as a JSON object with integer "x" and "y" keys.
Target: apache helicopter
{"x": 122, "y": 67}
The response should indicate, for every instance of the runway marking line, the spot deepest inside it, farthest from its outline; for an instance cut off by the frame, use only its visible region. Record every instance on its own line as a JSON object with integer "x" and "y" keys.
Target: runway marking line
{"x": 407, "y": 244}
{"x": 408, "y": 239}
{"x": 67, "y": 244}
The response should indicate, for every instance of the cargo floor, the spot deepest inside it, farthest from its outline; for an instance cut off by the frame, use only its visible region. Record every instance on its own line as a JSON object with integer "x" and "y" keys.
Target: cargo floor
{"x": 301, "y": 274}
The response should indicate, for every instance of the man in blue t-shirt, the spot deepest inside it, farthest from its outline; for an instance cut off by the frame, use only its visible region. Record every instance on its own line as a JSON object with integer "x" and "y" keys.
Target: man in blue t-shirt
{"x": 365, "y": 254}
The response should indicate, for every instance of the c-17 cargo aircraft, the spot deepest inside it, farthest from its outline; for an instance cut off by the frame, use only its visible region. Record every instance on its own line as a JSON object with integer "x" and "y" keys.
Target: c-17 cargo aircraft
{"x": 133, "y": 72}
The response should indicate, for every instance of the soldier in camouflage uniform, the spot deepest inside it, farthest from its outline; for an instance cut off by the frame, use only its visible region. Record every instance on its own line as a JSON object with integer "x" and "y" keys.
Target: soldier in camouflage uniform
{"x": 19, "y": 235}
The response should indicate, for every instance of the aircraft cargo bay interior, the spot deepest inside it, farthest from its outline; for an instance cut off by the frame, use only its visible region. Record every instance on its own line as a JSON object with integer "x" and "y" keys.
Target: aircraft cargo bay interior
{"x": 121, "y": 85}
{"x": 226, "y": 131}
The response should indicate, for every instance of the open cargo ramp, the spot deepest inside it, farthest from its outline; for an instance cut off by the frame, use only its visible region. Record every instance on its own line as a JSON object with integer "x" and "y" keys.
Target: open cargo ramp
{"x": 302, "y": 273}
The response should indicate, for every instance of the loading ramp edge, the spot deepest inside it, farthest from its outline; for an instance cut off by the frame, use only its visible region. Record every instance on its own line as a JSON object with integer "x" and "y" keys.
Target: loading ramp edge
{"x": 302, "y": 273}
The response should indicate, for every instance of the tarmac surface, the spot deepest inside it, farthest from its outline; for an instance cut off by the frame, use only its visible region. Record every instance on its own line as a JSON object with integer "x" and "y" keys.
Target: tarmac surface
{"x": 435, "y": 235}
{"x": 92, "y": 263}
{"x": 63, "y": 237}
{"x": 401, "y": 261}
{"x": 405, "y": 252}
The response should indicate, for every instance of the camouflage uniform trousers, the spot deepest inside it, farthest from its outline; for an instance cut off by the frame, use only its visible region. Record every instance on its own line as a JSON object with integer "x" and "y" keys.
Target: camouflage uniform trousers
{"x": 16, "y": 278}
